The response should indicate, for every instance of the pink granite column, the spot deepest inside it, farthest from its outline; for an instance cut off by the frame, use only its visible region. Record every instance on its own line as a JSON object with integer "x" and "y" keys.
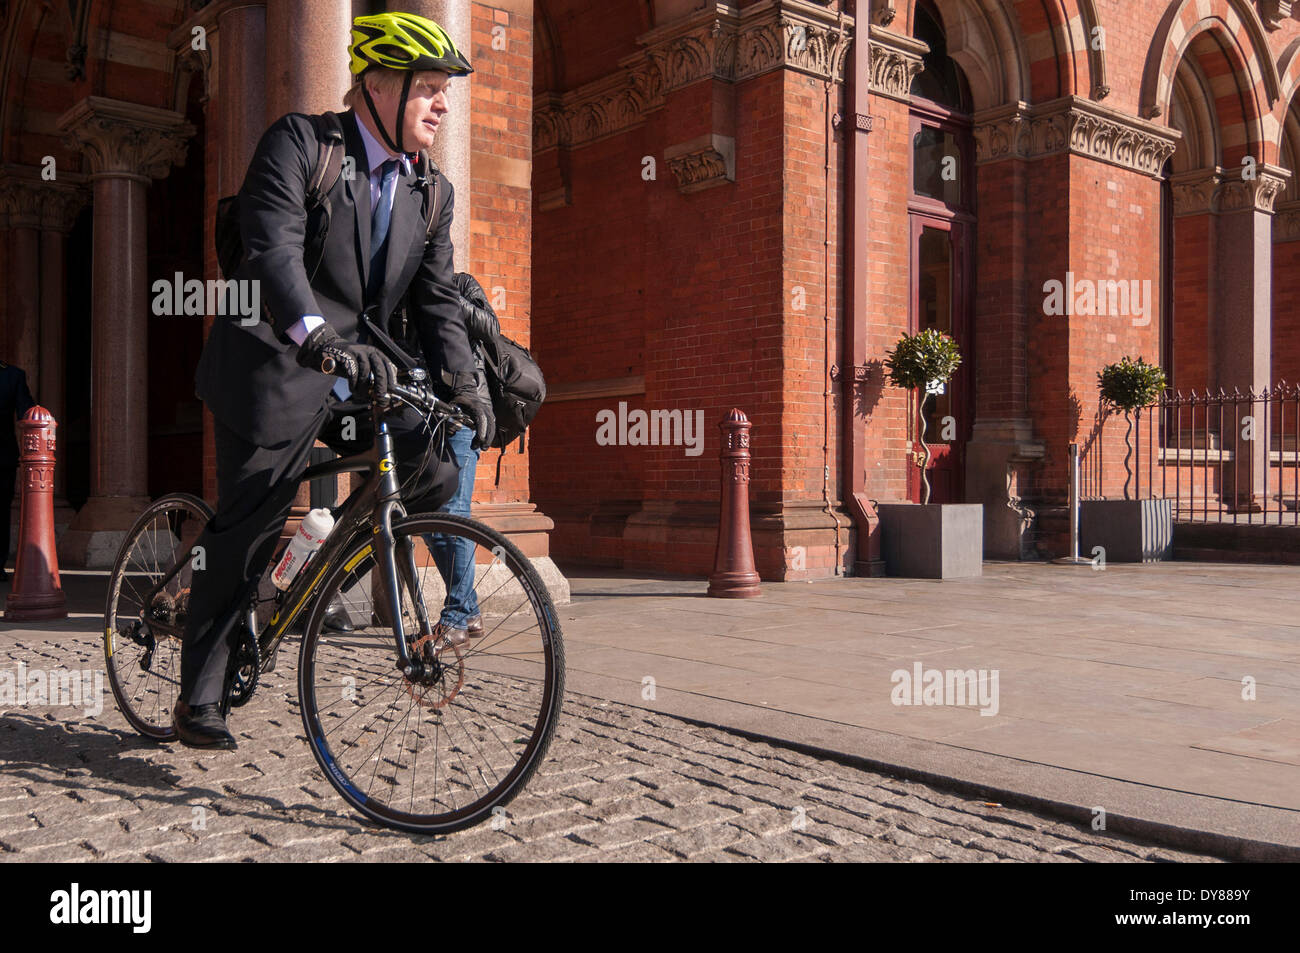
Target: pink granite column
{"x": 125, "y": 145}
{"x": 23, "y": 318}
{"x": 1242, "y": 322}
{"x": 59, "y": 209}
{"x": 451, "y": 148}
{"x": 234, "y": 76}
{"x": 309, "y": 75}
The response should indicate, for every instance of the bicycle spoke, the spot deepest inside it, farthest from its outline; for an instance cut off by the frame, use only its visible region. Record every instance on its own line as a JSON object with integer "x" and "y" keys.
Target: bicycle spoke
{"x": 438, "y": 749}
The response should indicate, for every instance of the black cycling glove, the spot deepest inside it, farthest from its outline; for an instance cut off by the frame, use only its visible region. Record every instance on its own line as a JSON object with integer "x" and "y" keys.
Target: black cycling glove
{"x": 325, "y": 351}
{"x": 465, "y": 393}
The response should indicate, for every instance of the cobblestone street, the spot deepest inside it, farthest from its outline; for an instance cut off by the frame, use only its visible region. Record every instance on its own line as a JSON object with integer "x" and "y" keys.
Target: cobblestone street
{"x": 620, "y": 784}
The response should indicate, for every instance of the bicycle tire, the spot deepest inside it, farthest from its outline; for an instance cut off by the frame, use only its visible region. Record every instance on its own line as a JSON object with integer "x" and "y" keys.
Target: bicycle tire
{"x": 151, "y": 719}
{"x": 466, "y": 702}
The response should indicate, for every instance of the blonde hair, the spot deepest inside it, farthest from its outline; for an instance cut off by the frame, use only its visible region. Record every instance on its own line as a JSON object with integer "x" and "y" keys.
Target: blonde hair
{"x": 382, "y": 79}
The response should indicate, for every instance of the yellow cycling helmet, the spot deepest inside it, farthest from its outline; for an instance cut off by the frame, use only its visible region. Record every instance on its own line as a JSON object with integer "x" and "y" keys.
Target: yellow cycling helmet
{"x": 404, "y": 41}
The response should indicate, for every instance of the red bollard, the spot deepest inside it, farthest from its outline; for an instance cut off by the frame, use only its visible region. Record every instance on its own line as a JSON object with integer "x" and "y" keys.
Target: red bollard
{"x": 36, "y": 593}
{"x": 733, "y": 563}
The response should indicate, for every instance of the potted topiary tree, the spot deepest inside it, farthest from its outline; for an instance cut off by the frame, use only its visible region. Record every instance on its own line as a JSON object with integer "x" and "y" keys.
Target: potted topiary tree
{"x": 1128, "y": 530}
{"x": 933, "y": 540}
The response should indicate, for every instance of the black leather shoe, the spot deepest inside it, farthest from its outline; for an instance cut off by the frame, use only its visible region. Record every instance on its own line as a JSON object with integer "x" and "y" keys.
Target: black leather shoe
{"x": 202, "y": 727}
{"x": 336, "y": 618}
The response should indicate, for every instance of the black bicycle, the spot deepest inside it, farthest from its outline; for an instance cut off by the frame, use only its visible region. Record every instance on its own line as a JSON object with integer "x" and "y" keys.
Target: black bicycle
{"x": 414, "y": 732}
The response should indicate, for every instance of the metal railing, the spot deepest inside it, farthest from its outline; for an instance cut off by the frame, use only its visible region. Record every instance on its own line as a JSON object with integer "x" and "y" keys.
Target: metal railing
{"x": 1225, "y": 457}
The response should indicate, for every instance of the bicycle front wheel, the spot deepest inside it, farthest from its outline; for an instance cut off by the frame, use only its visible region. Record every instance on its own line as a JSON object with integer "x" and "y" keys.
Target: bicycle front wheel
{"x": 438, "y": 752}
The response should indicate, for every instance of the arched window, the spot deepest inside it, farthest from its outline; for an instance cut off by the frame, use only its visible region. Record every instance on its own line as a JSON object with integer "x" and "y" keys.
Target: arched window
{"x": 941, "y": 81}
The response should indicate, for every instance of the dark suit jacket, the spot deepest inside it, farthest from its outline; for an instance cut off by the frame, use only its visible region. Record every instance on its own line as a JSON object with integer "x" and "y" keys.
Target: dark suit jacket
{"x": 15, "y": 401}
{"x": 249, "y": 376}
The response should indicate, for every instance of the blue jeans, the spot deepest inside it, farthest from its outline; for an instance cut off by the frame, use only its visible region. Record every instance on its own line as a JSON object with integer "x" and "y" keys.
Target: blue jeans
{"x": 454, "y": 555}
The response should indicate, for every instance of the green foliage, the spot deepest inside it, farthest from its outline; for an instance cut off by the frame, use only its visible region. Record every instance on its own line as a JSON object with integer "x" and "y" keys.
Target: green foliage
{"x": 919, "y": 360}
{"x": 1129, "y": 385}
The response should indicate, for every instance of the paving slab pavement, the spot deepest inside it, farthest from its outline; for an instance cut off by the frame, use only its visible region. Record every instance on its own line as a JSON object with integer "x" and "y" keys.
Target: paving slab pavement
{"x": 1164, "y": 694}
{"x": 1167, "y": 696}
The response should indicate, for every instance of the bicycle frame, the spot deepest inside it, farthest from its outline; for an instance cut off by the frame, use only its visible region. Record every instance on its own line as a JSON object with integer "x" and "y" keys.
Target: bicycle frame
{"x": 372, "y": 504}
{"x": 375, "y": 501}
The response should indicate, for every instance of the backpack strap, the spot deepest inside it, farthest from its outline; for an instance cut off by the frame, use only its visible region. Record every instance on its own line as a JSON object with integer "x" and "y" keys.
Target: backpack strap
{"x": 324, "y": 175}
{"x": 432, "y": 179}
{"x": 329, "y": 161}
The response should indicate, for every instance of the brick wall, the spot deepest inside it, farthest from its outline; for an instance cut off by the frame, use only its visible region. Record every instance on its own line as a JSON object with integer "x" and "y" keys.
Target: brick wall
{"x": 1286, "y": 312}
{"x": 500, "y": 205}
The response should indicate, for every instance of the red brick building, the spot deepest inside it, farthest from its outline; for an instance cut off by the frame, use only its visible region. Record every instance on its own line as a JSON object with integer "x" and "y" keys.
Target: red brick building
{"x": 692, "y": 206}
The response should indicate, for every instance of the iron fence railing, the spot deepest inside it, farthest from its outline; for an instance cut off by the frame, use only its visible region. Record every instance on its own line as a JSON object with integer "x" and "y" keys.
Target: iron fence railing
{"x": 1225, "y": 457}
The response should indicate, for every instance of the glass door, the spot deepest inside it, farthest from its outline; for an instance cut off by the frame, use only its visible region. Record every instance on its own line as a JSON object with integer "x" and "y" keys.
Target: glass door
{"x": 940, "y": 303}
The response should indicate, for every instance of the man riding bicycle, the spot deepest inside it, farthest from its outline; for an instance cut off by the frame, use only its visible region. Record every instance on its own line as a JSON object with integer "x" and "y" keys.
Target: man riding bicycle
{"x": 270, "y": 386}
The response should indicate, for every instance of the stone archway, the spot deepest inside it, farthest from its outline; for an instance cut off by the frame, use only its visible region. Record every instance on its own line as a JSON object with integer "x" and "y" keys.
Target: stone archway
{"x": 1211, "y": 76}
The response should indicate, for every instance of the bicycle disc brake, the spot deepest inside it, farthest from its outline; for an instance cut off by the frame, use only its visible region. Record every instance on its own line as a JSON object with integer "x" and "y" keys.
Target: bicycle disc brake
{"x": 443, "y": 679}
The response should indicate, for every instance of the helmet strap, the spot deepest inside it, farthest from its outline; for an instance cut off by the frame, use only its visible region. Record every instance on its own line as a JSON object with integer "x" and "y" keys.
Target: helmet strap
{"x": 401, "y": 106}
{"x": 401, "y": 111}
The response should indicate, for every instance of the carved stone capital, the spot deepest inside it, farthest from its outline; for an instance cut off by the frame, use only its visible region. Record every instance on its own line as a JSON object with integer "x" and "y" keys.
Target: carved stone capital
{"x": 1073, "y": 125}
{"x": 895, "y": 61}
{"x": 1286, "y": 222}
{"x": 689, "y": 50}
{"x": 1257, "y": 193}
{"x": 703, "y": 163}
{"x": 1274, "y": 12}
{"x": 794, "y": 35}
{"x": 61, "y": 207}
{"x": 1215, "y": 190}
{"x": 1195, "y": 191}
{"x": 126, "y": 139}
{"x": 20, "y": 201}
{"x": 29, "y": 201}
{"x": 720, "y": 43}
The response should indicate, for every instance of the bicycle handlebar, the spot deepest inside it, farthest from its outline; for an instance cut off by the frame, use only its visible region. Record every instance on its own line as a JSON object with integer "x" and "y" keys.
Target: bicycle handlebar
{"x": 424, "y": 401}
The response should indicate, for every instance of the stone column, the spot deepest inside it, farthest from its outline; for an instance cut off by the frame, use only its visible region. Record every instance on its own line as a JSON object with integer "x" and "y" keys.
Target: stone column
{"x": 1244, "y": 314}
{"x": 125, "y": 145}
{"x": 451, "y": 147}
{"x": 233, "y": 70}
{"x": 60, "y": 205}
{"x": 1003, "y": 451}
{"x": 309, "y": 74}
{"x": 22, "y": 201}
{"x": 41, "y": 213}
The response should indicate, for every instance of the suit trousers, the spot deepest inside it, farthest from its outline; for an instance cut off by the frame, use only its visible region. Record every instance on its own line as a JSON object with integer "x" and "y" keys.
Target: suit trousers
{"x": 256, "y": 487}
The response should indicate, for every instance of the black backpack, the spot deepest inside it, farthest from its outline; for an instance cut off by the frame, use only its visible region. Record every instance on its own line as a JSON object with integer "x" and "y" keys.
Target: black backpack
{"x": 325, "y": 173}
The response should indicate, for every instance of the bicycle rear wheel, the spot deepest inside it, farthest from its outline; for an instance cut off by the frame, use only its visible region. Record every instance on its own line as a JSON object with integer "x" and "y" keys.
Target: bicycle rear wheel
{"x": 439, "y": 752}
{"x": 142, "y": 647}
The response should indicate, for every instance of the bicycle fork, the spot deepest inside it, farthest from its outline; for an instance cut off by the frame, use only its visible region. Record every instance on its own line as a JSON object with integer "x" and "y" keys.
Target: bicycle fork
{"x": 391, "y": 563}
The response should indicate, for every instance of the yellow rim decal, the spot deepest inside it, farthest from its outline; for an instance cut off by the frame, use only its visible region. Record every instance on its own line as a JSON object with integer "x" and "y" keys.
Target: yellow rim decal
{"x": 108, "y": 640}
{"x": 351, "y": 563}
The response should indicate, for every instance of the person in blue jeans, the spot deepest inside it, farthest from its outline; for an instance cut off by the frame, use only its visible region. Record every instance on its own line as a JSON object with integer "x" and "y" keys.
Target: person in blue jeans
{"x": 461, "y": 619}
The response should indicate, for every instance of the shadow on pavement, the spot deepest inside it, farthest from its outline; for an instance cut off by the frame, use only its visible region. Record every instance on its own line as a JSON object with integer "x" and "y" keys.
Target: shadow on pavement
{"x": 46, "y": 753}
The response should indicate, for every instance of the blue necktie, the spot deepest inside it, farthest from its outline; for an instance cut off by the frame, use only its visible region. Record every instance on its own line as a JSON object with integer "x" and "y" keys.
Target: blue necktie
{"x": 380, "y": 216}
{"x": 379, "y": 219}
